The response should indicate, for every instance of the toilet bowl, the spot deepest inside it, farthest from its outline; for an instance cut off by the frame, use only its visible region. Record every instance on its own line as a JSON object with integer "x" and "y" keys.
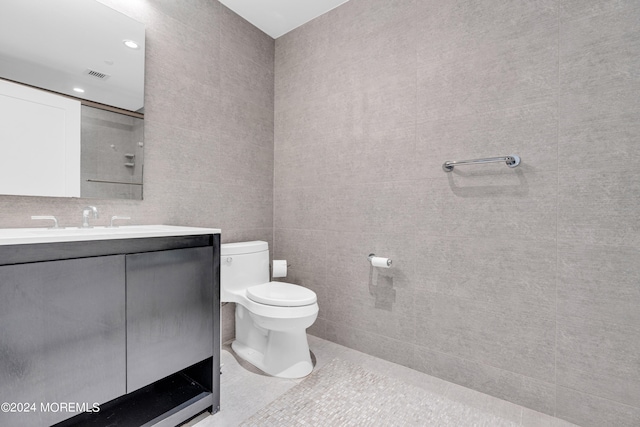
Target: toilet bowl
{"x": 271, "y": 317}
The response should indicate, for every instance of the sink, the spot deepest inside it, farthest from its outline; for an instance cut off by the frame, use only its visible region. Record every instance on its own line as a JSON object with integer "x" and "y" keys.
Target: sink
{"x": 19, "y": 236}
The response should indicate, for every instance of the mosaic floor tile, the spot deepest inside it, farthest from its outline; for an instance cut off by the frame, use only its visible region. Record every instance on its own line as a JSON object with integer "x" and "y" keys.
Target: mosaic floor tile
{"x": 344, "y": 394}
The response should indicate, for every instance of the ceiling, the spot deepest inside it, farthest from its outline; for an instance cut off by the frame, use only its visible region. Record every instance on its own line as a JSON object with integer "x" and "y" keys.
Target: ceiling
{"x": 278, "y": 17}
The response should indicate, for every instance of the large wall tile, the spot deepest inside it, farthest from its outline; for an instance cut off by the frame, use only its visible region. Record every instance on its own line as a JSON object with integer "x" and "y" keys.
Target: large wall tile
{"x": 376, "y": 345}
{"x": 599, "y": 283}
{"x": 599, "y": 358}
{"x": 591, "y": 411}
{"x": 528, "y": 131}
{"x": 515, "y": 71}
{"x": 579, "y": 9}
{"x": 301, "y": 166}
{"x": 246, "y": 79}
{"x": 176, "y": 45}
{"x": 161, "y": 106}
{"x": 375, "y": 300}
{"x": 245, "y": 206}
{"x": 238, "y": 233}
{"x": 366, "y": 58}
{"x": 242, "y": 38}
{"x": 242, "y": 119}
{"x": 372, "y": 97}
{"x": 509, "y": 276}
{"x": 446, "y": 26}
{"x": 242, "y": 162}
{"x": 200, "y": 16}
{"x": 305, "y": 46}
{"x": 227, "y": 328}
{"x": 507, "y": 339}
{"x": 302, "y": 207}
{"x": 601, "y": 51}
{"x": 382, "y": 207}
{"x": 369, "y": 156}
{"x": 598, "y": 206}
{"x": 506, "y": 385}
{"x": 179, "y": 154}
{"x": 292, "y": 244}
{"x": 310, "y": 121}
{"x": 480, "y": 202}
{"x": 598, "y": 129}
{"x": 385, "y": 310}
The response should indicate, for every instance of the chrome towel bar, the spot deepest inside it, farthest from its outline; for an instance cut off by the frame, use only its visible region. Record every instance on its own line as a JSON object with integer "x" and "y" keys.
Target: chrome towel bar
{"x": 512, "y": 161}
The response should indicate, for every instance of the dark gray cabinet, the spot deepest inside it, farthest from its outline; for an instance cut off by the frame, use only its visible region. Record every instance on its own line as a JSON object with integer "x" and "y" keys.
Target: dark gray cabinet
{"x": 169, "y": 313}
{"x": 122, "y": 323}
{"x": 62, "y": 336}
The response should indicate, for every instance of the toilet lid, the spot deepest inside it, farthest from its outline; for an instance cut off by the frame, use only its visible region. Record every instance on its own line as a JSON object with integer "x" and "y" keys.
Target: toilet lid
{"x": 281, "y": 294}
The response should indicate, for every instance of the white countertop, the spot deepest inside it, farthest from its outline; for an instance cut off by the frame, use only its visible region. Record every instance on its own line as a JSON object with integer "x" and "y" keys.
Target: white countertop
{"x": 25, "y": 236}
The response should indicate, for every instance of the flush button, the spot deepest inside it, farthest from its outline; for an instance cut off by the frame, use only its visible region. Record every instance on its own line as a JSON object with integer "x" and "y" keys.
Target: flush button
{"x": 228, "y": 260}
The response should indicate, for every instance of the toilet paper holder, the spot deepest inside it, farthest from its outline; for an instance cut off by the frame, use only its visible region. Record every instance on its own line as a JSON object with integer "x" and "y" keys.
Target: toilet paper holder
{"x": 371, "y": 256}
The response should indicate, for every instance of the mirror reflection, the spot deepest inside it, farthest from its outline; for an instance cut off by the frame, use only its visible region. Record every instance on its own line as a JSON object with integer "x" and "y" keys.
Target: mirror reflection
{"x": 76, "y": 47}
{"x": 81, "y": 49}
{"x": 111, "y": 155}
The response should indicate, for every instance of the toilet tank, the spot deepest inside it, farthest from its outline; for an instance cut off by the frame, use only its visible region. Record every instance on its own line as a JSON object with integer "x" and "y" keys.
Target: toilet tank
{"x": 242, "y": 264}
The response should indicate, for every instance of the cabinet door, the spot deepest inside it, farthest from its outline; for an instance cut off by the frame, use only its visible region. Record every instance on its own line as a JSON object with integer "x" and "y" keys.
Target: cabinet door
{"x": 62, "y": 336}
{"x": 169, "y": 313}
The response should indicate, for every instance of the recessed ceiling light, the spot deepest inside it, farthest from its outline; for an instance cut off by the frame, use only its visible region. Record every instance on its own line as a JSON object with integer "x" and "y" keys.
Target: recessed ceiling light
{"x": 78, "y": 89}
{"x": 130, "y": 44}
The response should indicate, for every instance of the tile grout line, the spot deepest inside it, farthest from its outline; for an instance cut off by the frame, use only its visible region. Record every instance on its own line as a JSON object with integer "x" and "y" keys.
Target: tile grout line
{"x": 555, "y": 347}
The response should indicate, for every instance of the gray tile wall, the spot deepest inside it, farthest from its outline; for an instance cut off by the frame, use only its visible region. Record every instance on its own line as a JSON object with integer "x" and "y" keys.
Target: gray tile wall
{"x": 521, "y": 283}
{"x": 208, "y": 128}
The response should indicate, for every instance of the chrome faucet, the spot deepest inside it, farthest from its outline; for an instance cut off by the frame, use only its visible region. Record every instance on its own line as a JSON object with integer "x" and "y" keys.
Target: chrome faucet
{"x": 85, "y": 215}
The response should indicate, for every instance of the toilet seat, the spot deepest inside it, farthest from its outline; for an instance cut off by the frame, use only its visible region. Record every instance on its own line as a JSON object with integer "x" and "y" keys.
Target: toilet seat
{"x": 281, "y": 294}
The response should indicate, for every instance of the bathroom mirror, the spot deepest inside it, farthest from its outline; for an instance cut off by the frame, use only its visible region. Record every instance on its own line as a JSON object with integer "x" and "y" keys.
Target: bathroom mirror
{"x": 86, "y": 50}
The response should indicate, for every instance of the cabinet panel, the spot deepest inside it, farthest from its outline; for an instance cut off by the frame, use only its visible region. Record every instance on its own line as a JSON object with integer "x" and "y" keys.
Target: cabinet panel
{"x": 62, "y": 335}
{"x": 169, "y": 313}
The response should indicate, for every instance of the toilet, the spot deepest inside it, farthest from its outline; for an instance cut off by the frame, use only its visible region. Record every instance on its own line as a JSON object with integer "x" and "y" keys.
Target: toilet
{"x": 271, "y": 317}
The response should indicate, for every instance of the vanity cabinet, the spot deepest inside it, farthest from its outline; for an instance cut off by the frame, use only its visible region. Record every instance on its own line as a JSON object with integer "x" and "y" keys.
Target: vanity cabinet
{"x": 62, "y": 335}
{"x": 131, "y": 325}
{"x": 169, "y": 315}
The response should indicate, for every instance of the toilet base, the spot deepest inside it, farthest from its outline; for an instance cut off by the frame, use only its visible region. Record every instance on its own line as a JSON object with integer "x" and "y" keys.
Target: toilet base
{"x": 287, "y": 368}
{"x": 280, "y": 353}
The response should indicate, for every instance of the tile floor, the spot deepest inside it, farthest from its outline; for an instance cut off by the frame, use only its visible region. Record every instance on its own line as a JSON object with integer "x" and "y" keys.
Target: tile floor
{"x": 244, "y": 393}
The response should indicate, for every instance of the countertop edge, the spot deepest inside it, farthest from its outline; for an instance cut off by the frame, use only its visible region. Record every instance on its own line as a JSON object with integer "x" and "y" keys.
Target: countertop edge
{"x": 29, "y": 236}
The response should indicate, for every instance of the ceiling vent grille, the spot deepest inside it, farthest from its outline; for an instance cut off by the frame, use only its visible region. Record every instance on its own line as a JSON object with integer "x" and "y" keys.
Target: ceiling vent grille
{"x": 96, "y": 74}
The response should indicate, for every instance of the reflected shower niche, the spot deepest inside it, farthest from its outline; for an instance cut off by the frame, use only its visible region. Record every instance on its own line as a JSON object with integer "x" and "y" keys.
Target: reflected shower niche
{"x": 111, "y": 155}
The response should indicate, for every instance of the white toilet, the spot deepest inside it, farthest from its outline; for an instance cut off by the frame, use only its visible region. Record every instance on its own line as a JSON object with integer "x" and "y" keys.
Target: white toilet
{"x": 271, "y": 317}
